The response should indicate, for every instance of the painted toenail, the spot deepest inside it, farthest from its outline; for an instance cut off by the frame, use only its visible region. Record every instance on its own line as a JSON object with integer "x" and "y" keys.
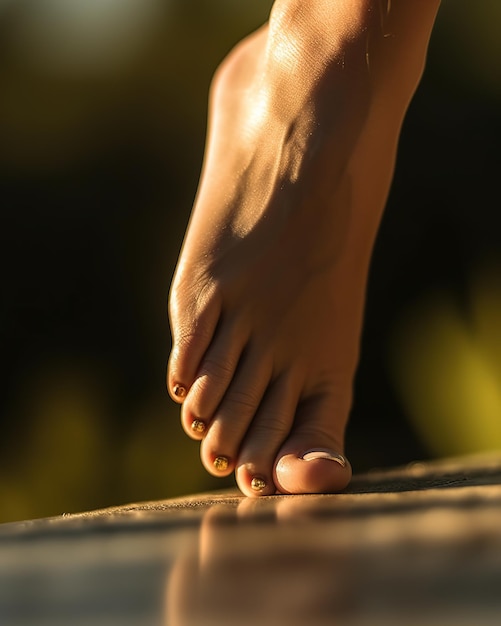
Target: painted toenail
{"x": 312, "y": 455}
{"x": 179, "y": 391}
{"x": 258, "y": 484}
{"x": 197, "y": 426}
{"x": 221, "y": 463}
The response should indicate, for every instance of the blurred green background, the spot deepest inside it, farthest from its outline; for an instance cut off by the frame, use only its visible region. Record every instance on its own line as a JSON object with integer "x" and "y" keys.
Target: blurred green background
{"x": 102, "y": 124}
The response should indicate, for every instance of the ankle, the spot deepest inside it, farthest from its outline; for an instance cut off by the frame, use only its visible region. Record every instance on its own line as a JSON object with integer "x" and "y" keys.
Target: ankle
{"x": 318, "y": 32}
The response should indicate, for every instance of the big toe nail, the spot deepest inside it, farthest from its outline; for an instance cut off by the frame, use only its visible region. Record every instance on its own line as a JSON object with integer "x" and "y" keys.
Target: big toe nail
{"x": 324, "y": 453}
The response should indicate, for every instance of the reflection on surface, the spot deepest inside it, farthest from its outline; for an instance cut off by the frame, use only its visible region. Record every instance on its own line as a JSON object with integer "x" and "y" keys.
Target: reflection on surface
{"x": 419, "y": 556}
{"x": 325, "y": 560}
{"x": 249, "y": 569}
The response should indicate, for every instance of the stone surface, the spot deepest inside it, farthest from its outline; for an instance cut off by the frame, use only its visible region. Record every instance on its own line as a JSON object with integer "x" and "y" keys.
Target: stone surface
{"x": 416, "y": 545}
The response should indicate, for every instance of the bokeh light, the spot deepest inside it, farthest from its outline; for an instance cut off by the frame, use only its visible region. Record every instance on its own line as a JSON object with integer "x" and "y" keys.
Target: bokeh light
{"x": 74, "y": 36}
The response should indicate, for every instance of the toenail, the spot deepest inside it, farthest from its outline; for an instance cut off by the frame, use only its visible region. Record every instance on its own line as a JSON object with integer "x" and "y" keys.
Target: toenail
{"x": 197, "y": 426}
{"x": 179, "y": 391}
{"x": 221, "y": 463}
{"x": 258, "y": 484}
{"x": 312, "y": 455}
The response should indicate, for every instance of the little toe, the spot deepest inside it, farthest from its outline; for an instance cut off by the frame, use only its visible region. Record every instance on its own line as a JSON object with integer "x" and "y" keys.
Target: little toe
{"x": 312, "y": 459}
{"x": 193, "y": 327}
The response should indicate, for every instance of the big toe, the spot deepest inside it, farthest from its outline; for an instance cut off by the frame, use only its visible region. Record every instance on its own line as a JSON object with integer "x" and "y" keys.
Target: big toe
{"x": 312, "y": 460}
{"x": 319, "y": 470}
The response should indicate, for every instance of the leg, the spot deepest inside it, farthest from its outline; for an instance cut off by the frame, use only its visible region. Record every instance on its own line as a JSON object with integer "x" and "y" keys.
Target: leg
{"x": 267, "y": 301}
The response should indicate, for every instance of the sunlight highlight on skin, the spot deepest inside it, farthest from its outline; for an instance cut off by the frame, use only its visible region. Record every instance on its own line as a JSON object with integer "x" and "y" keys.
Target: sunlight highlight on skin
{"x": 259, "y": 111}
{"x": 284, "y": 52}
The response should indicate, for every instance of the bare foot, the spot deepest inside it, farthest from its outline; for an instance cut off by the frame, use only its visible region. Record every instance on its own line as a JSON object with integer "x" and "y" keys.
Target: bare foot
{"x": 267, "y": 301}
